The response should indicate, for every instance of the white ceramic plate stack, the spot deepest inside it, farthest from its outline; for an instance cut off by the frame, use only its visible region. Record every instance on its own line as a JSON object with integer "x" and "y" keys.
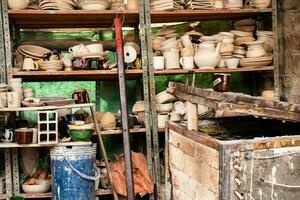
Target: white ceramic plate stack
{"x": 55, "y": 65}
{"x": 32, "y": 51}
{"x": 267, "y": 37}
{"x": 93, "y": 4}
{"x": 57, "y": 5}
{"x": 199, "y": 4}
{"x": 167, "y": 5}
{"x": 256, "y": 62}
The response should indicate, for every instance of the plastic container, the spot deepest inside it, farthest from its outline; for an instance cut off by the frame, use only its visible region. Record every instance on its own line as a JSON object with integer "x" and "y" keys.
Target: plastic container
{"x": 73, "y": 172}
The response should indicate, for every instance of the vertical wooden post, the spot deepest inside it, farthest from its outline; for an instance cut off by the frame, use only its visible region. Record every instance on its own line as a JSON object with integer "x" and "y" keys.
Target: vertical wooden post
{"x": 192, "y": 116}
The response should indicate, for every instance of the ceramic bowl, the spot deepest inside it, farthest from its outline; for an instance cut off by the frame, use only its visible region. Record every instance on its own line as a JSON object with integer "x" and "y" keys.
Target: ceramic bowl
{"x": 18, "y": 4}
{"x": 268, "y": 94}
{"x": 232, "y": 63}
{"x": 33, "y": 189}
{"x": 81, "y": 135}
{"x": 164, "y": 97}
{"x": 164, "y": 108}
{"x": 139, "y": 106}
{"x": 260, "y": 4}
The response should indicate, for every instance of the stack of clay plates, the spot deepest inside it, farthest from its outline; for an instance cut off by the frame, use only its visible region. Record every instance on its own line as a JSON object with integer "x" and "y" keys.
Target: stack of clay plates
{"x": 32, "y": 51}
{"x": 57, "y": 5}
{"x": 55, "y": 65}
{"x": 239, "y": 52}
{"x": 256, "y": 62}
{"x": 199, "y": 4}
{"x": 167, "y": 5}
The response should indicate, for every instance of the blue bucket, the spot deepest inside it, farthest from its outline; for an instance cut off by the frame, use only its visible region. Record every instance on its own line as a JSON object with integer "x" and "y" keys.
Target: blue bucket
{"x": 73, "y": 172}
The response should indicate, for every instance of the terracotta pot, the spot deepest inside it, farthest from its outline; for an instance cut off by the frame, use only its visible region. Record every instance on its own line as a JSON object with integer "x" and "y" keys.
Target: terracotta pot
{"x": 24, "y": 135}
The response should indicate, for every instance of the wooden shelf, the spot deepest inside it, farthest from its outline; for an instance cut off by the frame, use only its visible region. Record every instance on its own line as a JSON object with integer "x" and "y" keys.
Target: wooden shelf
{"x": 70, "y": 18}
{"x": 15, "y": 145}
{"x": 85, "y": 75}
{"x": 75, "y": 75}
{"x": 203, "y": 15}
{"x": 99, "y": 192}
{"x": 133, "y": 131}
{"x": 217, "y": 70}
{"x": 46, "y": 107}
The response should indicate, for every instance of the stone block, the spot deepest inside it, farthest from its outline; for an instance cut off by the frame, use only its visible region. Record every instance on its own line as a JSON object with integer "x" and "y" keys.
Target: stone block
{"x": 207, "y": 155}
{"x": 183, "y": 143}
{"x": 177, "y": 157}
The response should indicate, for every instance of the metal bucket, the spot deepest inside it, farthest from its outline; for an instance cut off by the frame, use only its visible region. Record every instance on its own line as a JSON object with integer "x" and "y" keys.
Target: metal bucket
{"x": 73, "y": 172}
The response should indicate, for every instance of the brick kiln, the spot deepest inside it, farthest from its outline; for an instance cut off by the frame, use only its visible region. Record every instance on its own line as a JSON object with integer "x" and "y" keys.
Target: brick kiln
{"x": 258, "y": 160}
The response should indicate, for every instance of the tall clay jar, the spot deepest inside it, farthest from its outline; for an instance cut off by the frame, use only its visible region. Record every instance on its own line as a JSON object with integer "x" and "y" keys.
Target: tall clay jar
{"x": 133, "y": 4}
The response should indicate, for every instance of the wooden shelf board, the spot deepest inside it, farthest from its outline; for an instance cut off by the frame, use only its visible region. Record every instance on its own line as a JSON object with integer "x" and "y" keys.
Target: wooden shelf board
{"x": 75, "y": 75}
{"x": 82, "y": 75}
{"x": 133, "y": 131}
{"x": 70, "y": 18}
{"x": 99, "y": 192}
{"x": 46, "y": 107}
{"x": 36, "y": 196}
{"x": 15, "y": 145}
{"x": 217, "y": 70}
{"x": 201, "y": 15}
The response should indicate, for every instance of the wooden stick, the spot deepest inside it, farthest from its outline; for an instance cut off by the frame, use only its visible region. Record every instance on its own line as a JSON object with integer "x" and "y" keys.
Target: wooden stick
{"x": 103, "y": 151}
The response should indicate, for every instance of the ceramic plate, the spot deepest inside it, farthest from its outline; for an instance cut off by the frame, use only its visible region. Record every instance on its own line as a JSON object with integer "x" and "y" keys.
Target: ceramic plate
{"x": 34, "y": 50}
{"x": 28, "y": 104}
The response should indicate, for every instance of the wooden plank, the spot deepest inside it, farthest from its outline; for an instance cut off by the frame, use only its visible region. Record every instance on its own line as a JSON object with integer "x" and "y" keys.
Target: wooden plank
{"x": 217, "y": 70}
{"x": 203, "y": 15}
{"x": 46, "y": 107}
{"x": 70, "y": 18}
{"x": 75, "y": 75}
{"x": 230, "y": 97}
{"x": 79, "y": 75}
{"x": 134, "y": 130}
{"x": 16, "y": 145}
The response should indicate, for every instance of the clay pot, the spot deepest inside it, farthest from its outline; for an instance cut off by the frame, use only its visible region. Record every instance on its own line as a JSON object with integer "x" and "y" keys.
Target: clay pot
{"x": 18, "y": 4}
{"x": 24, "y": 135}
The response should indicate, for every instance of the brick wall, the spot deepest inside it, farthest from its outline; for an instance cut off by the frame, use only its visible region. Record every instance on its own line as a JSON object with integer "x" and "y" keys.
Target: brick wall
{"x": 194, "y": 169}
{"x": 291, "y": 47}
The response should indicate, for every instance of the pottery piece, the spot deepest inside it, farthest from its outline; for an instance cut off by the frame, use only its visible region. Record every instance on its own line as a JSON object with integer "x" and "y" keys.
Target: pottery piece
{"x": 132, "y": 5}
{"x": 41, "y": 188}
{"x": 233, "y": 4}
{"x": 156, "y": 43}
{"x": 171, "y": 59}
{"x": 8, "y": 135}
{"x": 13, "y": 100}
{"x": 29, "y": 64}
{"x": 81, "y": 96}
{"x": 207, "y": 55}
{"x": 18, "y": 4}
{"x": 222, "y": 63}
{"x": 139, "y": 106}
{"x": 255, "y": 49}
{"x": 232, "y": 63}
{"x": 175, "y": 117}
{"x": 164, "y": 108}
{"x": 260, "y": 4}
{"x": 164, "y": 97}
{"x": 221, "y": 82}
{"x": 187, "y": 63}
{"x": 219, "y": 4}
{"x": 180, "y": 107}
{"x": 186, "y": 41}
{"x": 187, "y": 52}
{"x": 24, "y": 135}
{"x": 267, "y": 37}
{"x": 79, "y": 50}
{"x": 268, "y": 94}
{"x": 158, "y": 62}
{"x": 95, "y": 48}
{"x": 161, "y": 120}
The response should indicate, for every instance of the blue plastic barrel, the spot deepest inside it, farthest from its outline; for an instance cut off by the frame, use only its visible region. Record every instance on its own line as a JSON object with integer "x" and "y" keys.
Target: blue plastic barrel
{"x": 73, "y": 172}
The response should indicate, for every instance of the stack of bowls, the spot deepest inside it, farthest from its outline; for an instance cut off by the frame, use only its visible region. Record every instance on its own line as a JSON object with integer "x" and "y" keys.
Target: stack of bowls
{"x": 54, "y": 65}
{"x": 226, "y": 51}
{"x": 267, "y": 37}
{"x": 93, "y": 4}
{"x": 57, "y": 5}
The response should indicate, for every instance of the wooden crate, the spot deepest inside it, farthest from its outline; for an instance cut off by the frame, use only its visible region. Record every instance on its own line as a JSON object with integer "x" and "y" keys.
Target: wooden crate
{"x": 202, "y": 167}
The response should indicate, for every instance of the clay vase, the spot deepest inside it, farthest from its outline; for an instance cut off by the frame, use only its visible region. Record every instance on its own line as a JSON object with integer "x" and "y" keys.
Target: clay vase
{"x": 207, "y": 55}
